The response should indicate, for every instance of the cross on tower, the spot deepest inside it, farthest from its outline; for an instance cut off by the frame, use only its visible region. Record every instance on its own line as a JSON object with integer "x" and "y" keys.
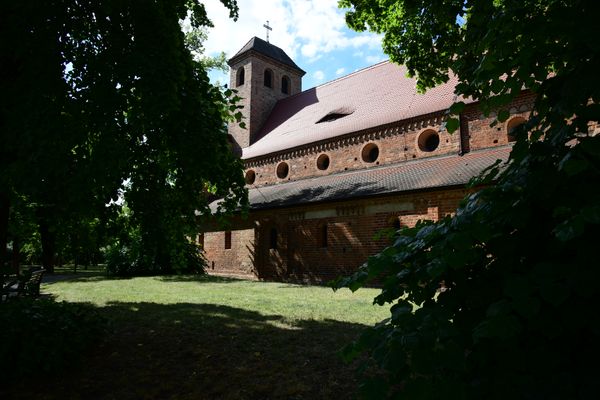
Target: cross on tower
{"x": 268, "y": 29}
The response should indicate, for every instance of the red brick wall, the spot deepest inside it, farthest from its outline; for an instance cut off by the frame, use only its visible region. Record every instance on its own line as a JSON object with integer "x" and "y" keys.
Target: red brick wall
{"x": 351, "y": 226}
{"x": 351, "y": 231}
{"x": 238, "y": 260}
{"x": 476, "y": 127}
{"x": 397, "y": 142}
{"x": 257, "y": 99}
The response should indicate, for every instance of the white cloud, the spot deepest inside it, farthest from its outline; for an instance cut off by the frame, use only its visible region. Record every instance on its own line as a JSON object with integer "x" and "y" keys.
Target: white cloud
{"x": 309, "y": 50}
{"x": 307, "y": 27}
{"x": 340, "y": 71}
{"x": 319, "y": 75}
{"x": 374, "y": 59}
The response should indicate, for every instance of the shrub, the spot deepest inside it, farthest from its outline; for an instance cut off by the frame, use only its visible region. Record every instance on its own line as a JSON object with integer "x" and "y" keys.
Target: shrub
{"x": 128, "y": 260}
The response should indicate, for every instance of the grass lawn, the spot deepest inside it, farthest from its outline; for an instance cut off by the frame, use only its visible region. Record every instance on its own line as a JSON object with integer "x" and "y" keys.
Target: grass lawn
{"x": 214, "y": 338}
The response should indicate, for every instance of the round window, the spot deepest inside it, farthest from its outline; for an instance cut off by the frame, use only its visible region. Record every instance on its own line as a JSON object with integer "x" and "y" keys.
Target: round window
{"x": 282, "y": 170}
{"x": 513, "y": 124}
{"x": 370, "y": 153}
{"x": 429, "y": 140}
{"x": 250, "y": 177}
{"x": 323, "y": 162}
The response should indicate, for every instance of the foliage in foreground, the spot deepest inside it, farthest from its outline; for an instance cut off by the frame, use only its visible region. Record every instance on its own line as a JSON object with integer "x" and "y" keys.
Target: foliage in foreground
{"x": 40, "y": 337}
{"x": 504, "y": 286}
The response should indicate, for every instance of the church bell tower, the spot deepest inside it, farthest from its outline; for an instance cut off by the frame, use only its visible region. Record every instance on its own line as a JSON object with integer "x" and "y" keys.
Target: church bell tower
{"x": 262, "y": 74}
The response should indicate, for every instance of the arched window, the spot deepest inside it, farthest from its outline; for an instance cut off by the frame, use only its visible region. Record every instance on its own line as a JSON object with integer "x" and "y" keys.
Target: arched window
{"x": 323, "y": 235}
{"x": 285, "y": 85}
{"x": 268, "y": 78}
{"x": 228, "y": 239}
{"x": 240, "y": 76}
{"x": 513, "y": 124}
{"x": 394, "y": 223}
{"x": 273, "y": 238}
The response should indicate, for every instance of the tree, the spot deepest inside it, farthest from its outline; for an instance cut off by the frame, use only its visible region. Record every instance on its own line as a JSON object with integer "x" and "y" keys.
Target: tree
{"x": 194, "y": 40}
{"x": 101, "y": 94}
{"x": 517, "y": 261}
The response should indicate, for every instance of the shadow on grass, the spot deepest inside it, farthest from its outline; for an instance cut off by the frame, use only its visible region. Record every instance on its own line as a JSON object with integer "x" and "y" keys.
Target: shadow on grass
{"x": 88, "y": 277}
{"x": 205, "y": 278}
{"x": 205, "y": 351}
{"x": 95, "y": 277}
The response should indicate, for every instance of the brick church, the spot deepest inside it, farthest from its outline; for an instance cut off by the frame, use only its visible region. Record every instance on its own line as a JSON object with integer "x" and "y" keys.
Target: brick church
{"x": 329, "y": 167}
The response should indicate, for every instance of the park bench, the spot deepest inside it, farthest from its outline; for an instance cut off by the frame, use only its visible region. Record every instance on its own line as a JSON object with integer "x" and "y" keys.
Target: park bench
{"x": 27, "y": 284}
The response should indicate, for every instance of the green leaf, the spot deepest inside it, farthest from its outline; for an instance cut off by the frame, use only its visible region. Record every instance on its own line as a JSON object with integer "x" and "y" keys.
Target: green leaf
{"x": 527, "y": 306}
{"x": 554, "y": 292}
{"x": 591, "y": 145}
{"x": 436, "y": 268}
{"x": 457, "y": 108}
{"x": 503, "y": 115}
{"x": 570, "y": 229}
{"x": 373, "y": 388}
{"x": 591, "y": 214}
{"x": 401, "y": 309}
{"x": 504, "y": 326}
{"x": 497, "y": 86}
{"x": 452, "y": 124}
{"x": 573, "y": 166}
{"x": 498, "y": 308}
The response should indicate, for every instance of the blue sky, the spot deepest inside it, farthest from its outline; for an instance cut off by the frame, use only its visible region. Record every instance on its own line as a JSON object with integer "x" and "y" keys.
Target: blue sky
{"x": 312, "y": 32}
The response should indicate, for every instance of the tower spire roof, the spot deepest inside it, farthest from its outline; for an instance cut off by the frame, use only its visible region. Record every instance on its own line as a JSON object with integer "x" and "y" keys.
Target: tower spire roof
{"x": 266, "y": 49}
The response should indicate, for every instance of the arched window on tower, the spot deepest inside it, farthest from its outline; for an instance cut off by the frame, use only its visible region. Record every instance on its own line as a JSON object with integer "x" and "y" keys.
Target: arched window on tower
{"x": 268, "y": 78}
{"x": 285, "y": 85}
{"x": 240, "y": 76}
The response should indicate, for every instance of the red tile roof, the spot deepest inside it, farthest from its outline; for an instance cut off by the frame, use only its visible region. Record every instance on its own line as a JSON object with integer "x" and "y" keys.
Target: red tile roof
{"x": 371, "y": 97}
{"x": 426, "y": 173}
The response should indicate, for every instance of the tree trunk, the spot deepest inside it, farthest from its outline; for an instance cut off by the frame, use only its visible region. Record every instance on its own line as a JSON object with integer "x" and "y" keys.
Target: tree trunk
{"x": 4, "y": 214}
{"x": 16, "y": 255}
{"x": 48, "y": 245}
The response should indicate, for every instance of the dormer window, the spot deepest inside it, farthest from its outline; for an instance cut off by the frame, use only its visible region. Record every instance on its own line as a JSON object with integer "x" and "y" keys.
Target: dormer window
{"x": 268, "y": 78}
{"x": 240, "y": 77}
{"x": 336, "y": 114}
{"x": 285, "y": 85}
